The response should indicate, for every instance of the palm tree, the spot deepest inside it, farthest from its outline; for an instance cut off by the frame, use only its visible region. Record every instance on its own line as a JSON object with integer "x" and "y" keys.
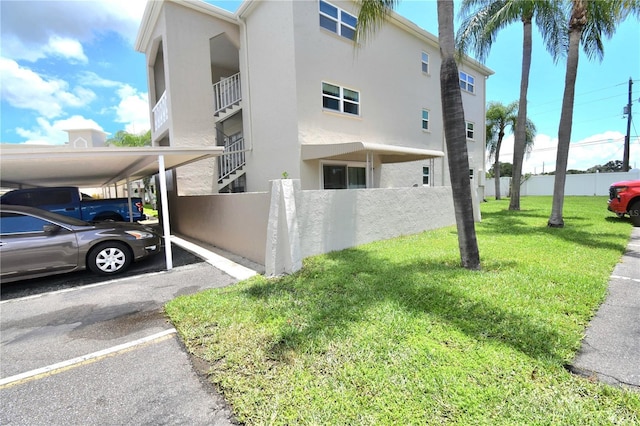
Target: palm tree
{"x": 483, "y": 19}
{"x": 588, "y": 23}
{"x": 370, "y": 17}
{"x": 499, "y": 118}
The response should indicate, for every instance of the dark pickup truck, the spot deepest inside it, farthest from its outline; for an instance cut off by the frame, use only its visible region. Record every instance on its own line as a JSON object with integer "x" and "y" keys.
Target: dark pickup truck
{"x": 69, "y": 201}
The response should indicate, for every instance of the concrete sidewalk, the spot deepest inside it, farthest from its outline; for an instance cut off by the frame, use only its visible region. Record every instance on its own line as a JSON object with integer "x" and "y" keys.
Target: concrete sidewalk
{"x": 611, "y": 348}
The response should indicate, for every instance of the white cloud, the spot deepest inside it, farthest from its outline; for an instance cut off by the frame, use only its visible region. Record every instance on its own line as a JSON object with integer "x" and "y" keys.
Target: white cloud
{"x": 591, "y": 151}
{"x": 133, "y": 110}
{"x": 35, "y": 30}
{"x": 90, "y": 78}
{"x": 23, "y": 88}
{"x": 53, "y": 133}
{"x": 66, "y": 48}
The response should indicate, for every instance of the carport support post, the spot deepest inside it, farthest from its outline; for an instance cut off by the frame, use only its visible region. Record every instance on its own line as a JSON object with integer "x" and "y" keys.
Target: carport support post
{"x": 164, "y": 204}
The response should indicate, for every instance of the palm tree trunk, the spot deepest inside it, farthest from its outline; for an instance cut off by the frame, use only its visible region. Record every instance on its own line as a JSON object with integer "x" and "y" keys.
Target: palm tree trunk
{"x": 520, "y": 133}
{"x": 496, "y": 166}
{"x": 566, "y": 117}
{"x": 455, "y": 135}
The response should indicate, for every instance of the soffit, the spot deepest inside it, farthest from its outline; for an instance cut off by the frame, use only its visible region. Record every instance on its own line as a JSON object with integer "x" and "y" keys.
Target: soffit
{"x": 357, "y": 151}
{"x": 90, "y": 167}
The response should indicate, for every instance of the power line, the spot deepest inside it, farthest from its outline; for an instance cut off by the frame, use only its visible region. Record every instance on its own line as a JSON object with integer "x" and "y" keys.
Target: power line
{"x": 577, "y": 145}
{"x": 581, "y": 94}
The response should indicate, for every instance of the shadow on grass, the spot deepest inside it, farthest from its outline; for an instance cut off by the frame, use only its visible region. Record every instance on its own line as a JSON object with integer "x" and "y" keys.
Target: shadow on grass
{"x": 335, "y": 293}
{"x": 520, "y": 223}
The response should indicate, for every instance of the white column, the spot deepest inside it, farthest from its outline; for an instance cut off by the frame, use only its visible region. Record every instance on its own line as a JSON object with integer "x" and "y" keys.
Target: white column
{"x": 164, "y": 204}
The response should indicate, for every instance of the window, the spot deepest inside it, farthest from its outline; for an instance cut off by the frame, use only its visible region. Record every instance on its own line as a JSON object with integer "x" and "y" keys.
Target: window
{"x": 425, "y": 176}
{"x": 15, "y": 223}
{"x": 425, "y": 62}
{"x": 467, "y": 82}
{"x": 425, "y": 119}
{"x": 340, "y": 176}
{"x": 470, "y": 132}
{"x": 337, "y": 20}
{"x": 37, "y": 198}
{"x": 339, "y": 99}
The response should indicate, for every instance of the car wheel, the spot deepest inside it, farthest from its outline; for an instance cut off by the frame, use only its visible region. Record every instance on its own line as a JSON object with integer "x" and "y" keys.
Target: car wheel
{"x": 109, "y": 258}
{"x": 634, "y": 213}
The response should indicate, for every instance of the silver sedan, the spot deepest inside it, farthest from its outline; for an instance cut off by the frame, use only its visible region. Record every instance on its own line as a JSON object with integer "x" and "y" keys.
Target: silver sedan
{"x": 36, "y": 243}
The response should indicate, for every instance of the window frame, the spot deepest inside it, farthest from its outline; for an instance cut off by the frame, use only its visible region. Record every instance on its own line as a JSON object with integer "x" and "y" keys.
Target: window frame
{"x": 425, "y": 64}
{"x": 467, "y": 82}
{"x": 347, "y": 165}
{"x": 473, "y": 131}
{"x": 427, "y": 120}
{"x": 341, "y": 99}
{"x": 426, "y": 172}
{"x": 339, "y": 21}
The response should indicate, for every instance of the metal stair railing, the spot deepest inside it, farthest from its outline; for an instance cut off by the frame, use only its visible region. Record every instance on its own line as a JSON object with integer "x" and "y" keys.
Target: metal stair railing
{"x": 226, "y": 93}
{"x": 232, "y": 159}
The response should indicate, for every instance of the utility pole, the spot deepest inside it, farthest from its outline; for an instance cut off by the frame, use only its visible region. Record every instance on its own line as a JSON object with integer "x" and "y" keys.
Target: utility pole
{"x": 627, "y": 138}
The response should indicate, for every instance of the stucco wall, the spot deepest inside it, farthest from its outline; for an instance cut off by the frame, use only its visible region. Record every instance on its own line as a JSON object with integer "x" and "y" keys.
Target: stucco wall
{"x": 334, "y": 220}
{"x": 189, "y": 81}
{"x": 269, "y": 94}
{"x": 268, "y": 230}
{"x": 234, "y": 222}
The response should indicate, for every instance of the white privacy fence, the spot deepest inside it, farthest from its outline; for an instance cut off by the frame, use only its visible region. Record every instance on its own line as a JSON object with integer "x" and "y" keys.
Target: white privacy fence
{"x": 582, "y": 184}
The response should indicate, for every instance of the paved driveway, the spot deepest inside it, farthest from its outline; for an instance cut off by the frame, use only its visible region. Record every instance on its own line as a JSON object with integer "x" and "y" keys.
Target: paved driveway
{"x": 105, "y": 355}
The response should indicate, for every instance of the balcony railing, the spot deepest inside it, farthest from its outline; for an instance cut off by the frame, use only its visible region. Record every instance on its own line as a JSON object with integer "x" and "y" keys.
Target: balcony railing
{"x": 226, "y": 93}
{"x": 160, "y": 112}
{"x": 232, "y": 159}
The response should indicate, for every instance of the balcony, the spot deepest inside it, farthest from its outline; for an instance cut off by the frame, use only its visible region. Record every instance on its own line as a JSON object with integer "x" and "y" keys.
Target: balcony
{"x": 160, "y": 112}
{"x": 226, "y": 94}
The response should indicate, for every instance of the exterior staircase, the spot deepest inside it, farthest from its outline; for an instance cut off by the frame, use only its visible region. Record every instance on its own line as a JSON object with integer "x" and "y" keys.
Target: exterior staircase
{"x": 232, "y": 161}
{"x": 227, "y": 95}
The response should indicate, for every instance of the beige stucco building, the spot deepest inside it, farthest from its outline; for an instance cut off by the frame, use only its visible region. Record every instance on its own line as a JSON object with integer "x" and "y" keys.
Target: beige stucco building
{"x": 281, "y": 85}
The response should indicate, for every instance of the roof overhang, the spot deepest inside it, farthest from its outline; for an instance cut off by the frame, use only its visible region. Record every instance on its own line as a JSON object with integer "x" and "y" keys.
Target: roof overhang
{"x": 357, "y": 151}
{"x": 24, "y": 165}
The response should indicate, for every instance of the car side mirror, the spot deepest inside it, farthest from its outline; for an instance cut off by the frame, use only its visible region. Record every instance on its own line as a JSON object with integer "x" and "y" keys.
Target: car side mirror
{"x": 50, "y": 229}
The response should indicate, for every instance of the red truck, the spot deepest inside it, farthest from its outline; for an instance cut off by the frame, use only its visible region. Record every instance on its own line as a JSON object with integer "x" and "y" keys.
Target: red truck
{"x": 624, "y": 198}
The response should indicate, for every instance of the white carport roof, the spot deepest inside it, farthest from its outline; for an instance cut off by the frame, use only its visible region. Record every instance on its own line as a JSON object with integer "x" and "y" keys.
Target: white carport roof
{"x": 22, "y": 165}
{"x": 357, "y": 151}
{"x": 92, "y": 167}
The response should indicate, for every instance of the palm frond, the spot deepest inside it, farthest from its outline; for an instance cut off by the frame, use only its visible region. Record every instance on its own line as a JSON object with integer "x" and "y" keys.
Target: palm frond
{"x": 371, "y": 16}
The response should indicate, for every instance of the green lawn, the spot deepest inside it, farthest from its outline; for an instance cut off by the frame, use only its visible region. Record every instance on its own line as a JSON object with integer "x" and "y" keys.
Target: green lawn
{"x": 395, "y": 332}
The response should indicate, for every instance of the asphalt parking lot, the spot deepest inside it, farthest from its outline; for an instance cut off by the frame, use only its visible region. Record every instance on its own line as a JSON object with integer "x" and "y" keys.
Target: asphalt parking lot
{"x": 35, "y": 286}
{"x": 105, "y": 354}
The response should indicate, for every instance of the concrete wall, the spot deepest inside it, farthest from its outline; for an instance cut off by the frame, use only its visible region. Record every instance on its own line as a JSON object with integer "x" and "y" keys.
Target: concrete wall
{"x": 334, "y": 220}
{"x": 281, "y": 227}
{"x": 582, "y": 184}
{"x": 311, "y": 222}
{"x": 234, "y": 222}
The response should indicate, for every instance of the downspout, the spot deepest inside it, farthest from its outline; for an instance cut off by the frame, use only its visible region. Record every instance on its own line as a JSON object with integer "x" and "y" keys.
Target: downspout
{"x": 246, "y": 91}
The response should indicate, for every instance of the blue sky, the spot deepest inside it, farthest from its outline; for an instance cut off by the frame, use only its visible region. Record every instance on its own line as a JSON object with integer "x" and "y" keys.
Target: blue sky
{"x": 71, "y": 64}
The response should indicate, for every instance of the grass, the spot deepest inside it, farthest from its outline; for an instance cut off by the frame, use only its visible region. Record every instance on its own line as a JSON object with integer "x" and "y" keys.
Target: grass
{"x": 150, "y": 211}
{"x": 395, "y": 332}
